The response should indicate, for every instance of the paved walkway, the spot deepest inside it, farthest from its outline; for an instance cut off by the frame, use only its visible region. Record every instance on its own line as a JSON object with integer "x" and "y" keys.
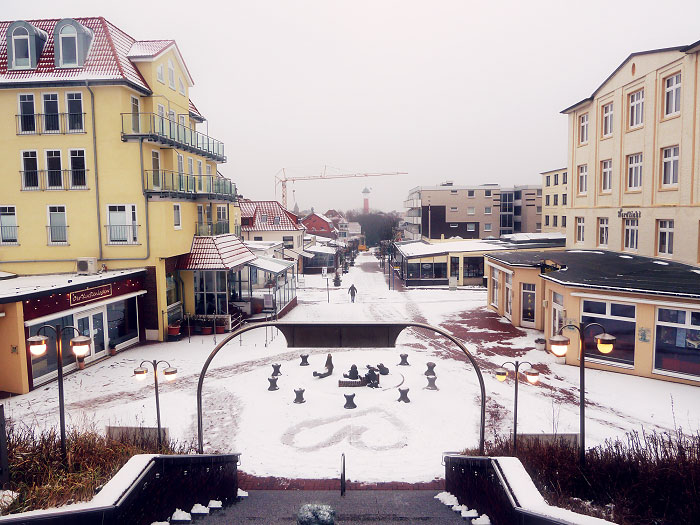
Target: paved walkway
{"x": 248, "y": 482}
{"x": 356, "y": 507}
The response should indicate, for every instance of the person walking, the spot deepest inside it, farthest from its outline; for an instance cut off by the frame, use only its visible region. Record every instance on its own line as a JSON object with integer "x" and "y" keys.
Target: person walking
{"x": 352, "y": 291}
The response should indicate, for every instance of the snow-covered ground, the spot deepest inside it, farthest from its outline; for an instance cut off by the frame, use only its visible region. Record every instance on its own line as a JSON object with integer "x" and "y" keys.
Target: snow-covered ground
{"x": 383, "y": 440}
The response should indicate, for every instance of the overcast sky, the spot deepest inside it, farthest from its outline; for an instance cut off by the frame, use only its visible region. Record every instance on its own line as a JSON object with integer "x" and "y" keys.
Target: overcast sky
{"x": 442, "y": 89}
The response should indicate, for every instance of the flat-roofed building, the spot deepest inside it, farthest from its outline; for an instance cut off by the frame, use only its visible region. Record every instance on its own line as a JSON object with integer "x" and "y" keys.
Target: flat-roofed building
{"x": 554, "y": 200}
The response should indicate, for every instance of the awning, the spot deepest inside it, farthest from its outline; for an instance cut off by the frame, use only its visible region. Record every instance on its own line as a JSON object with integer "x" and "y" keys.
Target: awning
{"x": 268, "y": 264}
{"x": 300, "y": 252}
{"x": 219, "y": 252}
{"x": 320, "y": 249}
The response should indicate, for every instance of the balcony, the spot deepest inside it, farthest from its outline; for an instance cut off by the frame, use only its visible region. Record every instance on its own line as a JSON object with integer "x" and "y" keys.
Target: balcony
{"x": 57, "y": 235}
{"x": 8, "y": 234}
{"x": 42, "y": 180}
{"x": 412, "y": 203}
{"x": 121, "y": 234}
{"x": 50, "y": 123}
{"x": 165, "y": 131}
{"x": 205, "y": 229}
{"x": 168, "y": 183}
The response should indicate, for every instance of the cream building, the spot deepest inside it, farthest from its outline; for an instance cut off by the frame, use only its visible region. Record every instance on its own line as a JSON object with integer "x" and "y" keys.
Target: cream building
{"x": 555, "y": 200}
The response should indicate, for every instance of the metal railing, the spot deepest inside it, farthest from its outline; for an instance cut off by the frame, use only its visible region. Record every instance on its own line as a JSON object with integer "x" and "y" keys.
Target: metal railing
{"x": 8, "y": 234}
{"x": 41, "y": 180}
{"x": 169, "y": 181}
{"x": 50, "y": 123}
{"x": 122, "y": 233}
{"x": 57, "y": 235}
{"x": 162, "y": 129}
{"x": 211, "y": 228}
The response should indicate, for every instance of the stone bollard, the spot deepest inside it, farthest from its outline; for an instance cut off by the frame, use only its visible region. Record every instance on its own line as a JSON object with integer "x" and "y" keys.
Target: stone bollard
{"x": 431, "y": 383}
{"x": 316, "y": 514}
{"x": 273, "y": 384}
{"x": 384, "y": 371}
{"x": 403, "y": 395}
{"x": 431, "y": 369}
{"x": 304, "y": 360}
{"x": 404, "y": 360}
{"x": 350, "y": 401}
{"x": 300, "y": 396}
{"x": 276, "y": 370}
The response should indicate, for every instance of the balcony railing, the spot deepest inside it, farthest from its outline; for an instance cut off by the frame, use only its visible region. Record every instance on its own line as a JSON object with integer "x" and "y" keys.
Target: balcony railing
{"x": 166, "y": 131}
{"x": 168, "y": 181}
{"x": 40, "y": 180}
{"x": 122, "y": 233}
{"x": 57, "y": 235}
{"x": 211, "y": 228}
{"x": 8, "y": 234}
{"x": 50, "y": 123}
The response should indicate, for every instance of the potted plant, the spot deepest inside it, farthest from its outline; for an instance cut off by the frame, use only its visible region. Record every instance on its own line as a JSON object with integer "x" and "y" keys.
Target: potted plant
{"x": 336, "y": 279}
{"x": 174, "y": 328}
{"x": 220, "y": 325}
{"x": 207, "y": 328}
{"x": 112, "y": 348}
{"x": 540, "y": 343}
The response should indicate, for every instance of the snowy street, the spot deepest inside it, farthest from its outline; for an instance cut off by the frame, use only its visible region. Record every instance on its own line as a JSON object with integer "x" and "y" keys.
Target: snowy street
{"x": 383, "y": 440}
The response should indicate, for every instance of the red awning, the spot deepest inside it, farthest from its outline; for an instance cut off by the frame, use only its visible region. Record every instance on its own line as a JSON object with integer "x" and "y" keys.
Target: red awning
{"x": 220, "y": 252}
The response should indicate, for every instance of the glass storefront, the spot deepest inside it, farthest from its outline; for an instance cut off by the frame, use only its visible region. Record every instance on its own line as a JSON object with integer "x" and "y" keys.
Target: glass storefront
{"x": 210, "y": 289}
{"x": 618, "y": 320}
{"x": 677, "y": 346}
{"x": 122, "y": 321}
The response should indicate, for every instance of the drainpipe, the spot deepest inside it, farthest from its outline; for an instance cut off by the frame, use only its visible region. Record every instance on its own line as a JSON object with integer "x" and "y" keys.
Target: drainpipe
{"x": 97, "y": 178}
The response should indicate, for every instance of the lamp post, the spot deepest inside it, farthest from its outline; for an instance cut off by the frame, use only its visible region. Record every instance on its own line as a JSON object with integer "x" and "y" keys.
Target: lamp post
{"x": 170, "y": 373}
{"x": 559, "y": 346}
{"x": 532, "y": 376}
{"x": 80, "y": 345}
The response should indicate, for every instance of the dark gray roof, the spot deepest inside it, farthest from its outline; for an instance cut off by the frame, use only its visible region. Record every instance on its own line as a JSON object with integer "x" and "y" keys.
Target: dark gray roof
{"x": 606, "y": 270}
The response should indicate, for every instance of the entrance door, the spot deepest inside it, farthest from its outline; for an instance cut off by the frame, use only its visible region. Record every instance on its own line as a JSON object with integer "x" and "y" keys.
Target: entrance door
{"x": 557, "y": 312}
{"x": 508, "y": 310}
{"x": 528, "y": 305}
{"x": 91, "y": 324}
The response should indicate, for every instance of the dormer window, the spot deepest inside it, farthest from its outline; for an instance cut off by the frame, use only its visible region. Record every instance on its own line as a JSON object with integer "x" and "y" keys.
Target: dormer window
{"x": 68, "y": 40}
{"x": 171, "y": 74}
{"x": 20, "y": 47}
{"x": 263, "y": 219}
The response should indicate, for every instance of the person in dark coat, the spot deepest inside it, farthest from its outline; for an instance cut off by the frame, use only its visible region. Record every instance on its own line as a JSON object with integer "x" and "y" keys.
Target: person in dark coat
{"x": 352, "y": 291}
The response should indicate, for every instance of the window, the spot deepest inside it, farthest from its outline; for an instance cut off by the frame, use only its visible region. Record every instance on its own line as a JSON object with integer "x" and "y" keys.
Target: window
{"x": 222, "y": 212}
{"x": 58, "y": 227}
{"x": 453, "y": 208}
{"x": 634, "y": 171}
{"x": 75, "y": 112}
{"x": 606, "y": 176}
{"x": 78, "y": 179}
{"x": 472, "y": 267}
{"x": 556, "y": 179}
{"x": 669, "y": 172}
{"x": 563, "y": 199}
{"x": 487, "y": 193}
{"x": 563, "y": 178}
{"x": 210, "y": 292}
{"x": 677, "y": 345}
{"x": 69, "y": 46}
{"x": 539, "y": 192}
{"x": 276, "y": 219}
{"x": 190, "y": 166}
{"x": 135, "y": 117}
{"x": 631, "y": 233}
{"x": 494, "y": 287}
{"x": 20, "y": 48}
{"x": 487, "y": 226}
{"x": 208, "y": 169}
{"x": 556, "y": 199}
{"x": 263, "y": 219}
{"x": 538, "y": 226}
{"x": 177, "y": 220}
{"x": 122, "y": 227}
{"x": 583, "y": 179}
{"x": 470, "y": 193}
{"x": 665, "y": 229}
{"x": 54, "y": 173}
{"x": 30, "y": 171}
{"x": 171, "y": 74}
{"x": 199, "y": 167}
{"x": 555, "y": 220}
{"x": 539, "y": 209}
{"x": 27, "y": 122}
{"x": 453, "y": 192}
{"x": 487, "y": 210}
{"x": 563, "y": 221}
{"x": 180, "y": 164}
{"x": 580, "y": 229}
{"x": 471, "y": 226}
{"x": 636, "y": 108}
{"x": 470, "y": 211}
{"x": 546, "y": 200}
{"x": 454, "y": 225}
{"x": 8, "y": 225}
{"x": 155, "y": 173}
{"x": 181, "y": 85}
{"x": 602, "y": 231}
{"x": 546, "y": 220}
{"x": 288, "y": 241}
{"x": 159, "y": 74}
{"x": 672, "y": 104}
{"x": 51, "y": 124}
{"x": 607, "y": 120}
{"x": 583, "y": 129}
{"x": 546, "y": 180}
{"x": 557, "y": 312}
{"x": 618, "y": 319}
{"x": 257, "y": 238}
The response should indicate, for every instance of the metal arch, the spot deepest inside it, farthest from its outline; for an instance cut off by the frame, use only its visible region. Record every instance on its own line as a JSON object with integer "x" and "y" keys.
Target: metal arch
{"x": 277, "y": 324}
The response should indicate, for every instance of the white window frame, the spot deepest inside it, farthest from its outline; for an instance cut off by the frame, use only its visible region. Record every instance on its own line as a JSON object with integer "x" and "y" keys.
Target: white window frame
{"x": 670, "y": 158}
{"x": 14, "y": 242}
{"x": 44, "y": 114}
{"x": 15, "y": 37}
{"x": 606, "y": 176}
{"x": 181, "y": 86}
{"x": 558, "y": 312}
{"x": 51, "y": 242}
{"x": 471, "y": 210}
{"x": 493, "y": 300}
{"x": 608, "y": 315}
{"x": 635, "y": 163}
{"x": 487, "y": 226}
{"x": 631, "y": 234}
{"x": 582, "y": 179}
{"x": 471, "y": 227}
{"x": 46, "y": 171}
{"x": 580, "y": 229}
{"x": 453, "y": 208}
{"x": 171, "y": 74}
{"x": 38, "y": 172}
{"x": 209, "y": 170}
{"x": 555, "y": 199}
{"x": 607, "y": 129}
{"x": 221, "y": 212}
{"x": 70, "y": 169}
{"x": 199, "y": 167}
{"x": 180, "y": 164}
{"x": 555, "y": 221}
{"x": 487, "y": 210}
{"x": 664, "y": 236}
{"x": 61, "y": 38}
{"x": 546, "y": 220}
{"x": 177, "y": 216}
{"x": 603, "y": 231}
{"x": 131, "y": 219}
{"x": 583, "y": 129}
{"x": 190, "y": 166}
{"x": 76, "y": 95}
{"x": 636, "y": 109}
{"x": 686, "y": 325}
{"x": 546, "y": 200}
{"x": 160, "y": 76}
{"x": 454, "y": 225}
{"x": 33, "y": 114}
{"x": 672, "y": 95}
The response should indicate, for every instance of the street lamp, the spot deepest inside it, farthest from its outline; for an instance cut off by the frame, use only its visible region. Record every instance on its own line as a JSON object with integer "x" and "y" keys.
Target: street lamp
{"x": 559, "y": 345}
{"x": 532, "y": 377}
{"x": 170, "y": 373}
{"x": 80, "y": 345}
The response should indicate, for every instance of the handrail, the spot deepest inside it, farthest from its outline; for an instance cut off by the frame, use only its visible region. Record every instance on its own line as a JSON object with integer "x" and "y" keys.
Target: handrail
{"x": 50, "y": 123}
{"x": 42, "y": 180}
{"x": 173, "y": 181}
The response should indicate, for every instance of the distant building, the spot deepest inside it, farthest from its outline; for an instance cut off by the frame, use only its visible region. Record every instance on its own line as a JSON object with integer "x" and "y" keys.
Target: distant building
{"x": 555, "y": 200}
{"x": 319, "y": 224}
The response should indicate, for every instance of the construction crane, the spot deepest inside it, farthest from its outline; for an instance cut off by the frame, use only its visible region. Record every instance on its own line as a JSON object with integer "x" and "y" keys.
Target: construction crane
{"x": 282, "y": 178}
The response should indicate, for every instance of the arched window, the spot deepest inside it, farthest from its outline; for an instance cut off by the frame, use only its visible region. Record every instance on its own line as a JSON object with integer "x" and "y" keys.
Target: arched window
{"x": 69, "y": 46}
{"x": 171, "y": 74}
{"x": 20, "y": 47}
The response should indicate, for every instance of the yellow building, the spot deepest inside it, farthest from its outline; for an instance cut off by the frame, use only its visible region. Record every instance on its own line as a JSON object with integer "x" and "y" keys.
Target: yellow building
{"x": 105, "y": 171}
{"x": 555, "y": 199}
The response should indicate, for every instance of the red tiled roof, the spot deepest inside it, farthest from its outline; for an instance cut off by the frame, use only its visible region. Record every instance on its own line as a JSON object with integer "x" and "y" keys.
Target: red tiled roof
{"x": 255, "y": 209}
{"x": 149, "y": 48}
{"x": 220, "y": 252}
{"x": 194, "y": 111}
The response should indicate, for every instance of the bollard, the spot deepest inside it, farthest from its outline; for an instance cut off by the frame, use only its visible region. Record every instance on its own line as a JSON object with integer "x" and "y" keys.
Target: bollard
{"x": 404, "y": 360}
{"x": 304, "y": 360}
{"x": 384, "y": 371}
{"x": 300, "y": 396}
{"x": 403, "y": 395}
{"x": 350, "y": 401}
{"x": 431, "y": 369}
{"x": 431, "y": 383}
{"x": 276, "y": 370}
{"x": 273, "y": 384}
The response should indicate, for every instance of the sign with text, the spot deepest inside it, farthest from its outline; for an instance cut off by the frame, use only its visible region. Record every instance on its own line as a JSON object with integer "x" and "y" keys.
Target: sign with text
{"x": 90, "y": 294}
{"x": 267, "y": 301}
{"x": 324, "y": 272}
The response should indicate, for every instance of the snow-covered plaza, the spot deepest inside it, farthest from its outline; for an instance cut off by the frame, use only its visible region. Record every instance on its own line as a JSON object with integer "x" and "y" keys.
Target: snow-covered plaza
{"x": 383, "y": 440}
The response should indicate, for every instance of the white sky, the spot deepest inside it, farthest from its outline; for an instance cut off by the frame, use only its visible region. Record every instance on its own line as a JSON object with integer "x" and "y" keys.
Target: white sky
{"x": 442, "y": 89}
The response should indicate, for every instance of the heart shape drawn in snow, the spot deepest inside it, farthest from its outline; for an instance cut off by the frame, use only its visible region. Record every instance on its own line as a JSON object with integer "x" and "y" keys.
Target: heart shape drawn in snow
{"x": 370, "y": 429}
